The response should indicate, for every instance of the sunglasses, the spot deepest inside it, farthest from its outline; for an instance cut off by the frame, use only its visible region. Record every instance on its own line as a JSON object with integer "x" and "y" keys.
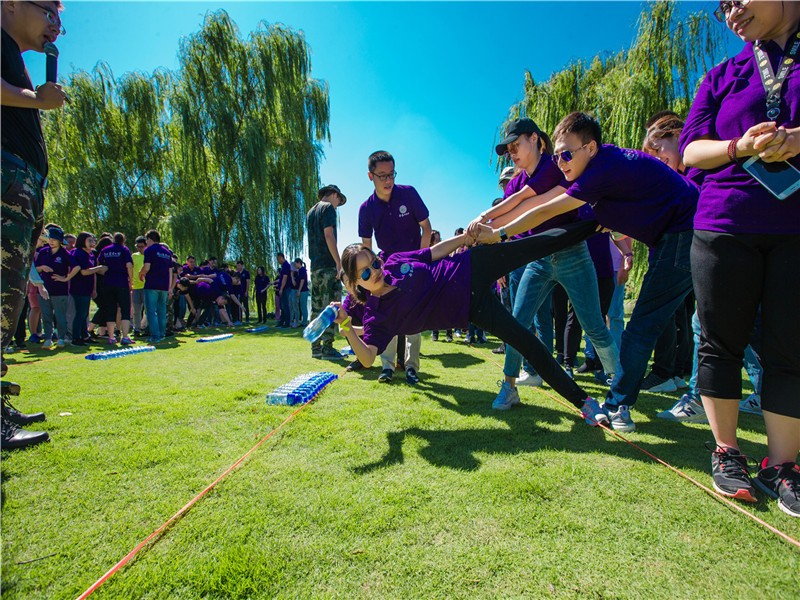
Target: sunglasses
{"x": 566, "y": 155}
{"x": 367, "y": 273}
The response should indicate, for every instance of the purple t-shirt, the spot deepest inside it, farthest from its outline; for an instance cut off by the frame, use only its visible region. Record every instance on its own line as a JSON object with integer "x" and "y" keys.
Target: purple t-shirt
{"x": 636, "y": 194}
{"x": 354, "y": 309}
{"x": 429, "y": 295}
{"x": 116, "y": 257}
{"x": 82, "y": 285}
{"x": 208, "y": 291}
{"x": 395, "y": 224}
{"x": 302, "y": 279}
{"x": 729, "y": 101}
{"x": 285, "y": 269}
{"x": 544, "y": 178}
{"x": 159, "y": 257}
{"x": 61, "y": 263}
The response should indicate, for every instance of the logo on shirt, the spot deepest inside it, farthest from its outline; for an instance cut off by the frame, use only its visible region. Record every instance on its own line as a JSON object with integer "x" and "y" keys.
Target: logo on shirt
{"x": 403, "y": 210}
{"x": 58, "y": 260}
{"x": 630, "y": 155}
{"x": 406, "y": 269}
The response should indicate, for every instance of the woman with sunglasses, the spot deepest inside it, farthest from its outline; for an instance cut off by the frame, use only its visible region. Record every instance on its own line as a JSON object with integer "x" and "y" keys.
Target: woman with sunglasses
{"x": 429, "y": 289}
{"x": 746, "y": 245}
{"x": 530, "y": 149}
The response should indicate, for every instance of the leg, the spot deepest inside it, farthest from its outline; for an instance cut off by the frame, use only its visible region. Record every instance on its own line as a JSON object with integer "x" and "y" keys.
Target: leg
{"x": 161, "y": 309}
{"x": 70, "y": 318}
{"x": 47, "y": 317}
{"x": 150, "y": 309}
{"x": 388, "y": 358}
{"x": 616, "y": 312}
{"x": 665, "y": 285}
{"x": 413, "y": 344}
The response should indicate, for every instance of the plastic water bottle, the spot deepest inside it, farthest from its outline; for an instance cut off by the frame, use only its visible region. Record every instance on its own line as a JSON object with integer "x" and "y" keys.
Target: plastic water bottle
{"x": 316, "y": 328}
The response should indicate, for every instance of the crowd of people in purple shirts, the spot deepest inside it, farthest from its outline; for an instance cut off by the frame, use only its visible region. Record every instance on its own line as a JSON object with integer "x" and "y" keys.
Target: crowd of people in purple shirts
{"x": 547, "y": 264}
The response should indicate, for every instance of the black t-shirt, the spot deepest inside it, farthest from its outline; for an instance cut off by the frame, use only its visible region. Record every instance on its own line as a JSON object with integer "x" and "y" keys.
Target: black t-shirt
{"x": 321, "y": 215}
{"x": 21, "y": 128}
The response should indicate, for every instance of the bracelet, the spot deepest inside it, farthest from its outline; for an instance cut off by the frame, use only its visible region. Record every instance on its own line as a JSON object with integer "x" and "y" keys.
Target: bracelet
{"x": 628, "y": 255}
{"x": 732, "y": 148}
{"x": 344, "y": 326}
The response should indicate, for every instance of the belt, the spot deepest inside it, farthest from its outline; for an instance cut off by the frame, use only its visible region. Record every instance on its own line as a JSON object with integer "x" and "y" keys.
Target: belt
{"x": 17, "y": 161}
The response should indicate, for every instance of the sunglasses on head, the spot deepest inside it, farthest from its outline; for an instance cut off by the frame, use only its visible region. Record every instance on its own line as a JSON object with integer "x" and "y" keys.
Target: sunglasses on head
{"x": 367, "y": 272}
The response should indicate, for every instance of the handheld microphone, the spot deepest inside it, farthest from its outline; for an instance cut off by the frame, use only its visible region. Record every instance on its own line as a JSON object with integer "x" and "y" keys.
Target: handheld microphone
{"x": 52, "y": 61}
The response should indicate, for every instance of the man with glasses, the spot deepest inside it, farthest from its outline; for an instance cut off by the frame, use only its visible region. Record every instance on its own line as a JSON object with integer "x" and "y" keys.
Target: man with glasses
{"x": 398, "y": 218}
{"x": 26, "y": 26}
{"x": 325, "y": 263}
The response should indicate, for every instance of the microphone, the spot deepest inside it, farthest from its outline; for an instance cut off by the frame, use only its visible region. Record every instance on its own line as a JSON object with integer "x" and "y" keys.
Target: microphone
{"x": 52, "y": 61}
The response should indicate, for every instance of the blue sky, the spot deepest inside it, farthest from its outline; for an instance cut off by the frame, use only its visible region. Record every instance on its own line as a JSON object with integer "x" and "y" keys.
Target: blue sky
{"x": 430, "y": 82}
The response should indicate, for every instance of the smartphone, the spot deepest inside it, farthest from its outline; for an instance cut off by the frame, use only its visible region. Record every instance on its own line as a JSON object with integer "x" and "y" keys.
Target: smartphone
{"x": 780, "y": 178}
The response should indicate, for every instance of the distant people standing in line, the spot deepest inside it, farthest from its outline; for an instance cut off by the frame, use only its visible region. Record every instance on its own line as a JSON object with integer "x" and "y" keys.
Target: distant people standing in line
{"x": 261, "y": 286}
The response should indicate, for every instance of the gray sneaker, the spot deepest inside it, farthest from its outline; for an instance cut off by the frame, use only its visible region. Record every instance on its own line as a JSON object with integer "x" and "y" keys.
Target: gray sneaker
{"x": 506, "y": 398}
{"x": 526, "y": 378}
{"x": 331, "y": 354}
{"x": 751, "y": 404}
{"x": 688, "y": 410}
{"x": 620, "y": 417}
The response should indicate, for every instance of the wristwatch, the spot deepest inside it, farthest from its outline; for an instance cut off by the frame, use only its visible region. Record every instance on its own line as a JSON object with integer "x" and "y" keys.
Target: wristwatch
{"x": 503, "y": 234}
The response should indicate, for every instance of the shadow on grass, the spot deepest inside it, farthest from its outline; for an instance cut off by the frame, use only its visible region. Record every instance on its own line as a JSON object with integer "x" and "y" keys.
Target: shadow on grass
{"x": 454, "y": 359}
{"x": 527, "y": 432}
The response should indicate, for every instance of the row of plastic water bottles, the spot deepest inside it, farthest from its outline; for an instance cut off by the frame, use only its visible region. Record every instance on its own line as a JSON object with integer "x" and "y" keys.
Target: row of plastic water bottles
{"x": 108, "y": 354}
{"x": 301, "y": 389}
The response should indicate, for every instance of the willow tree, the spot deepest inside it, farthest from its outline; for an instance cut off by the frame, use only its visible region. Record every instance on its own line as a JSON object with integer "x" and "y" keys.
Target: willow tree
{"x": 108, "y": 152}
{"x": 248, "y": 120}
{"x": 660, "y": 71}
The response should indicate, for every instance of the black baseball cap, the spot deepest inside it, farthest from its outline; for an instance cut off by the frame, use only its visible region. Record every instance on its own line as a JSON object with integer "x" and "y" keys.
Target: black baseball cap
{"x": 515, "y": 129}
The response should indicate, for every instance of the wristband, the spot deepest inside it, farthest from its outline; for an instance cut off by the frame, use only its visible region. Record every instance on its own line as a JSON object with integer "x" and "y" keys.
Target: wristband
{"x": 344, "y": 326}
{"x": 503, "y": 234}
{"x": 732, "y": 148}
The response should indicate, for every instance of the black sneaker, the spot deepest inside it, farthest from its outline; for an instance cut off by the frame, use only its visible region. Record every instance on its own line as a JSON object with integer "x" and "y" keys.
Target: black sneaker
{"x": 588, "y": 366}
{"x": 331, "y": 354}
{"x": 448, "y": 337}
{"x": 435, "y": 336}
{"x": 385, "y": 376}
{"x": 355, "y": 366}
{"x": 411, "y": 376}
{"x": 730, "y": 474}
{"x": 781, "y": 482}
{"x": 316, "y": 351}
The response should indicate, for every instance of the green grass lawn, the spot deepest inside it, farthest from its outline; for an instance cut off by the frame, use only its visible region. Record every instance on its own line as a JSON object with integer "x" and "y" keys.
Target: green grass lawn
{"x": 374, "y": 491}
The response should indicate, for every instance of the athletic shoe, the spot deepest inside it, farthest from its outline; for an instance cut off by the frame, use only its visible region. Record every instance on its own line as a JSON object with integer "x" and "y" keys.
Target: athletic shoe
{"x": 602, "y": 377}
{"x": 112, "y": 341}
{"x": 592, "y": 413}
{"x": 569, "y": 372}
{"x": 316, "y": 351}
{"x": 435, "y": 336}
{"x": 730, "y": 474}
{"x": 468, "y": 339}
{"x": 781, "y": 482}
{"x": 501, "y": 349}
{"x": 78, "y": 343}
{"x": 9, "y": 350}
{"x": 751, "y": 404}
{"x": 620, "y": 417}
{"x": 506, "y": 398}
{"x": 448, "y": 337}
{"x": 126, "y": 341}
{"x": 482, "y": 340}
{"x": 355, "y": 366}
{"x": 526, "y": 378}
{"x": 686, "y": 410}
{"x": 680, "y": 383}
{"x": 48, "y": 343}
{"x": 411, "y": 376}
{"x": 385, "y": 376}
{"x": 653, "y": 383}
{"x": 61, "y": 343}
{"x": 35, "y": 338}
{"x": 588, "y": 366}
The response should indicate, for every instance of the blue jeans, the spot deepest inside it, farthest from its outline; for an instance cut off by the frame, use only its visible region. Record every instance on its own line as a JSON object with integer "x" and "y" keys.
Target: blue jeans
{"x": 304, "y": 306}
{"x": 752, "y": 364}
{"x": 542, "y": 320}
{"x": 54, "y": 311}
{"x": 666, "y": 284}
{"x": 574, "y": 270}
{"x": 616, "y": 319}
{"x": 286, "y": 311}
{"x": 81, "y": 317}
{"x": 155, "y": 305}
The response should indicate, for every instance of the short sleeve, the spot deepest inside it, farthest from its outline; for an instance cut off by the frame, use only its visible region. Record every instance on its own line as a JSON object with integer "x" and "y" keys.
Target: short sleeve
{"x": 423, "y": 256}
{"x": 420, "y": 210}
{"x": 128, "y": 256}
{"x": 701, "y": 120}
{"x": 148, "y": 255}
{"x": 365, "y": 224}
{"x": 595, "y": 183}
{"x": 328, "y": 217}
{"x": 376, "y": 335}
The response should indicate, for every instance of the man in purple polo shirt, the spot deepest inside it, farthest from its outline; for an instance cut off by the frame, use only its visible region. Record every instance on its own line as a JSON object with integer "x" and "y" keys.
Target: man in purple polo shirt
{"x": 398, "y": 218}
{"x": 158, "y": 277}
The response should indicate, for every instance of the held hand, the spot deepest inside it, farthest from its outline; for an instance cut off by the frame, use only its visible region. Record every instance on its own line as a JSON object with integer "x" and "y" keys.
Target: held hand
{"x": 472, "y": 228}
{"x": 487, "y": 235}
{"x": 341, "y": 314}
{"x": 141, "y": 276}
{"x": 627, "y": 263}
{"x": 762, "y": 134}
{"x": 103, "y": 269}
{"x": 784, "y": 145}
{"x": 622, "y": 276}
{"x": 60, "y": 278}
{"x": 94, "y": 295}
{"x": 50, "y": 96}
{"x": 43, "y": 291}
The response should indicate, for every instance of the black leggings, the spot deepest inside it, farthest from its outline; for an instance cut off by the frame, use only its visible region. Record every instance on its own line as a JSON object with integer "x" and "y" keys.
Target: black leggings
{"x": 489, "y": 263}
{"x": 734, "y": 274}
{"x": 261, "y": 305}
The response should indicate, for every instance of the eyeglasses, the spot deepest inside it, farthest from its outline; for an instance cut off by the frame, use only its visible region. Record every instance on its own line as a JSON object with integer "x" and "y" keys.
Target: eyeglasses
{"x": 51, "y": 17}
{"x": 566, "y": 155}
{"x": 386, "y": 177}
{"x": 513, "y": 146}
{"x": 367, "y": 273}
{"x": 726, "y": 7}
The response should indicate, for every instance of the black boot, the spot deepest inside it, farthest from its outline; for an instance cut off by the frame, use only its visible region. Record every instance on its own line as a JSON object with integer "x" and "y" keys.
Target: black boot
{"x": 11, "y": 413}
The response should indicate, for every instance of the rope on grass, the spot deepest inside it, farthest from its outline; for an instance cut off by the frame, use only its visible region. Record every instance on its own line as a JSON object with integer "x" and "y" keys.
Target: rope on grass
{"x": 713, "y": 493}
{"x": 153, "y": 537}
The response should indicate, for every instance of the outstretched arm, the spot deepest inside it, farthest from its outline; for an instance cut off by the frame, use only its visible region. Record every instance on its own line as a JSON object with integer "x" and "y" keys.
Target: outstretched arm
{"x": 534, "y": 217}
{"x": 445, "y": 247}
{"x": 364, "y": 353}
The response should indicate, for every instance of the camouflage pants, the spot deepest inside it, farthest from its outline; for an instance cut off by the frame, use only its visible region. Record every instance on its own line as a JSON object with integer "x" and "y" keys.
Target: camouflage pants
{"x": 22, "y": 221}
{"x": 325, "y": 288}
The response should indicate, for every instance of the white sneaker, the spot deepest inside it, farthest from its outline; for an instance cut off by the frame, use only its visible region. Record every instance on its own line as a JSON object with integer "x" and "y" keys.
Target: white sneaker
{"x": 751, "y": 404}
{"x": 653, "y": 383}
{"x": 620, "y": 417}
{"x": 685, "y": 410}
{"x": 526, "y": 378}
{"x": 48, "y": 343}
{"x": 680, "y": 382}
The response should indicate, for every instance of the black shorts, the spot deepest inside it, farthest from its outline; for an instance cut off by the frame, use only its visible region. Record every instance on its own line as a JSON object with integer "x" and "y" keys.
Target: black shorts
{"x": 118, "y": 297}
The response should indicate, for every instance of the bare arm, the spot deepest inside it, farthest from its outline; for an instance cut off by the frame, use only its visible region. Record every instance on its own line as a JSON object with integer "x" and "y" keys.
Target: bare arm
{"x": 706, "y": 154}
{"x": 366, "y": 242}
{"x": 508, "y": 204}
{"x": 427, "y": 230}
{"x": 625, "y": 246}
{"x": 129, "y": 266}
{"x": 445, "y": 247}
{"x": 145, "y": 270}
{"x": 557, "y": 206}
{"x": 330, "y": 240}
{"x": 364, "y": 353}
{"x": 46, "y": 96}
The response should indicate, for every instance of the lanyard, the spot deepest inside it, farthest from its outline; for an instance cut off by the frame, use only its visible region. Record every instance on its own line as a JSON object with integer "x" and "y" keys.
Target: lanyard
{"x": 772, "y": 82}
